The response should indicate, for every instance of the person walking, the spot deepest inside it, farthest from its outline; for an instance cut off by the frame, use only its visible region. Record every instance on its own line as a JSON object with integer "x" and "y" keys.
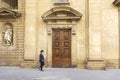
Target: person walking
{"x": 41, "y": 60}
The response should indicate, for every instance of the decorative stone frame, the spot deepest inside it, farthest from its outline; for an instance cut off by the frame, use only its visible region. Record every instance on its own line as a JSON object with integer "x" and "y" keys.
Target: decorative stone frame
{"x": 49, "y": 42}
{"x": 60, "y": 26}
{"x": 13, "y": 46}
{"x": 8, "y": 15}
{"x": 116, "y": 3}
{"x": 61, "y": 22}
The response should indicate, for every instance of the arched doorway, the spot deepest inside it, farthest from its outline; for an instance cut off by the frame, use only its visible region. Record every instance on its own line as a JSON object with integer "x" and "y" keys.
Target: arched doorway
{"x": 61, "y": 22}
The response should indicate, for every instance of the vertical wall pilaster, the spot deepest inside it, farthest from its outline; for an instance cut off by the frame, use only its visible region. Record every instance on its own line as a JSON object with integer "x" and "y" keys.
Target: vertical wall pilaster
{"x": 119, "y": 32}
{"x": 95, "y": 60}
{"x": 95, "y": 29}
{"x": 87, "y": 28}
{"x": 30, "y": 30}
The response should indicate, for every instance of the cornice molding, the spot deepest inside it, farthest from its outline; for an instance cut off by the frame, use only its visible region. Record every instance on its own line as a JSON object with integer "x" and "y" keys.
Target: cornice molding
{"x": 117, "y": 3}
{"x": 62, "y": 9}
{"x": 8, "y": 13}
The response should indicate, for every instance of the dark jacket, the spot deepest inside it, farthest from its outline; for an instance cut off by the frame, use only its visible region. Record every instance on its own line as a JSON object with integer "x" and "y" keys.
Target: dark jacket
{"x": 41, "y": 57}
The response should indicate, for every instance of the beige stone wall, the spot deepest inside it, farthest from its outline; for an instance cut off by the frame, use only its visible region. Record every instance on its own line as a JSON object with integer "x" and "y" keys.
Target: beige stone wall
{"x": 78, "y": 51}
{"x": 96, "y": 38}
{"x": 110, "y": 33}
{"x": 95, "y": 29}
{"x": 103, "y": 33}
{"x": 80, "y": 32}
{"x": 13, "y": 55}
{"x": 95, "y": 43}
{"x": 30, "y": 30}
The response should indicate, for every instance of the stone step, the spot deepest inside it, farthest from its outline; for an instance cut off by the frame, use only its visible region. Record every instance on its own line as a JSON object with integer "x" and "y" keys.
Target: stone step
{"x": 95, "y": 64}
{"x": 29, "y": 64}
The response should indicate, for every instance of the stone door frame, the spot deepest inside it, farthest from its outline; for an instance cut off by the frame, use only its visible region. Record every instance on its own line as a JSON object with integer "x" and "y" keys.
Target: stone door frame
{"x": 61, "y": 17}
{"x": 49, "y": 42}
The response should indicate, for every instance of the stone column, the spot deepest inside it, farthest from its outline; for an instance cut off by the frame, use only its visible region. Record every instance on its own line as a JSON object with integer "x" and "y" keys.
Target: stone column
{"x": 30, "y": 30}
{"x": 49, "y": 45}
{"x": 95, "y": 55}
{"x": 73, "y": 50}
{"x": 119, "y": 33}
{"x": 87, "y": 28}
{"x": 117, "y": 3}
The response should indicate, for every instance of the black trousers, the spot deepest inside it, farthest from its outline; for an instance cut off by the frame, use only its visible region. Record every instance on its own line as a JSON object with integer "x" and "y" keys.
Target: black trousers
{"x": 41, "y": 65}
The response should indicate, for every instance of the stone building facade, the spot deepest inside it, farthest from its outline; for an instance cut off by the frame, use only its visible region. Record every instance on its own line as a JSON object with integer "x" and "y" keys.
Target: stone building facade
{"x": 72, "y": 33}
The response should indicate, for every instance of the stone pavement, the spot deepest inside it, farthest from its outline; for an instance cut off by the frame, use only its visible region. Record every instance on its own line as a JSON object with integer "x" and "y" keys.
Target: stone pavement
{"x": 17, "y": 73}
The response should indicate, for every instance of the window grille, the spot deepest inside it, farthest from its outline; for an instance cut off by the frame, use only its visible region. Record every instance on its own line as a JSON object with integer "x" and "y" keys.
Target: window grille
{"x": 61, "y": 1}
{"x": 12, "y": 4}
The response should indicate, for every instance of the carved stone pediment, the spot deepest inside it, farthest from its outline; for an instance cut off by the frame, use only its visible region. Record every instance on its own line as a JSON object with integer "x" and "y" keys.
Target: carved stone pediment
{"x": 62, "y": 13}
{"x": 117, "y": 3}
{"x": 8, "y": 13}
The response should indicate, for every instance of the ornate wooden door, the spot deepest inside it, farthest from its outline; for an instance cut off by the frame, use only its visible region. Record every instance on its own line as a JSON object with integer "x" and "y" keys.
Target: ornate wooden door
{"x": 61, "y": 48}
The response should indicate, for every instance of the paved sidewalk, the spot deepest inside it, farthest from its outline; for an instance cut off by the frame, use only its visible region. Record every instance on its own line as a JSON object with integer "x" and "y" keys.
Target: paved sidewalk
{"x": 17, "y": 73}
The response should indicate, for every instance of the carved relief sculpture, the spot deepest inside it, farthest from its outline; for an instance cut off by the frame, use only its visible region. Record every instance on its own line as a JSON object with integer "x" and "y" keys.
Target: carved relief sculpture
{"x": 8, "y": 34}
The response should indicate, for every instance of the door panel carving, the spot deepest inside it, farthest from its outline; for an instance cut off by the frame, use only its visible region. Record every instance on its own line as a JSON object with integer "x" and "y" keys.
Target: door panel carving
{"x": 61, "y": 48}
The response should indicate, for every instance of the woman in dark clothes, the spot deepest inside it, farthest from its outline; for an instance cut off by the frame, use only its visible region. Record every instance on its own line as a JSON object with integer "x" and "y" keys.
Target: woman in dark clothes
{"x": 41, "y": 60}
